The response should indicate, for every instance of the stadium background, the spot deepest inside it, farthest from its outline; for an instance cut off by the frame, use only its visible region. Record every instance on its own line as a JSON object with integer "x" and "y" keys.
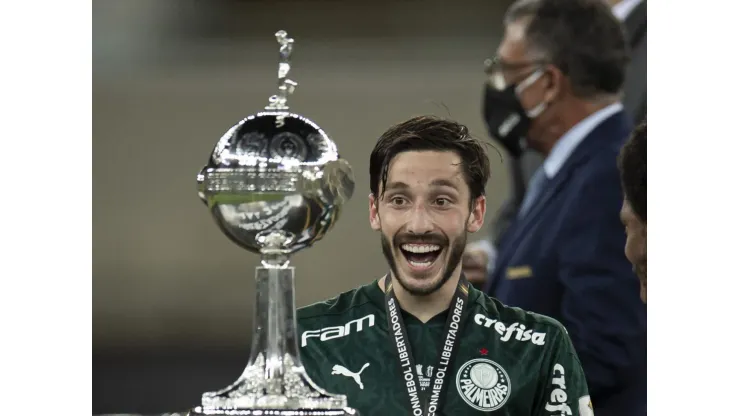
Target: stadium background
{"x": 172, "y": 297}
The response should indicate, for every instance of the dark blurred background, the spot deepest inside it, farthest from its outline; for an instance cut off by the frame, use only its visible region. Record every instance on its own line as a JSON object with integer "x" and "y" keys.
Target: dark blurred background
{"x": 172, "y": 297}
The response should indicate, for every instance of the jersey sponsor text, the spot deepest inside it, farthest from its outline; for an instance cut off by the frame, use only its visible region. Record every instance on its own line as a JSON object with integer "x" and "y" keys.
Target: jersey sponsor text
{"x": 522, "y": 333}
{"x": 557, "y": 403}
{"x": 332, "y": 332}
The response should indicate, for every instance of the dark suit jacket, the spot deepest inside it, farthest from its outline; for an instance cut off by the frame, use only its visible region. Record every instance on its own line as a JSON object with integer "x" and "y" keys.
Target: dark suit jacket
{"x": 634, "y": 100}
{"x": 565, "y": 259}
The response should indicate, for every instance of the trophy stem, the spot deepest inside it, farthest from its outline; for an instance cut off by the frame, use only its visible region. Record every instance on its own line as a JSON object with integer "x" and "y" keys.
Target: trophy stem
{"x": 275, "y": 332}
{"x": 274, "y": 377}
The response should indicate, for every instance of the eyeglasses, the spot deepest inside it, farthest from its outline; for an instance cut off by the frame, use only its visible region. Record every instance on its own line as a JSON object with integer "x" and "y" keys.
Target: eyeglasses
{"x": 495, "y": 68}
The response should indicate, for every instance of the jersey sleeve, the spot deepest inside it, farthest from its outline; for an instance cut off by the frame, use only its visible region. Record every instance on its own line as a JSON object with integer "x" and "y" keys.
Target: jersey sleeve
{"x": 565, "y": 389}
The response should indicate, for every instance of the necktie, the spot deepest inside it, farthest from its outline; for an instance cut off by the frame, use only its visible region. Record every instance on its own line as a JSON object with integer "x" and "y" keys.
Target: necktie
{"x": 534, "y": 189}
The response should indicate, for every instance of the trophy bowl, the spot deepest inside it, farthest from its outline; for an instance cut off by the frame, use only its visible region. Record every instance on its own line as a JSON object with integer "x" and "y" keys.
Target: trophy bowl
{"x": 275, "y": 184}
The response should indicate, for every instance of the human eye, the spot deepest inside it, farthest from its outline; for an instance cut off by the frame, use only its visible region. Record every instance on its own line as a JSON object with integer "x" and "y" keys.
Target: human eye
{"x": 397, "y": 200}
{"x": 442, "y": 202}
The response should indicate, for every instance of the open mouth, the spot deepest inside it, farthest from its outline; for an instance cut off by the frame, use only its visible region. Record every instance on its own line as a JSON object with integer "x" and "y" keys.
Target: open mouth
{"x": 421, "y": 256}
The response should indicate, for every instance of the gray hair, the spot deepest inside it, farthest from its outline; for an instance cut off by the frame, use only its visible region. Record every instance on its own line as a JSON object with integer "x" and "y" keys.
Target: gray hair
{"x": 582, "y": 38}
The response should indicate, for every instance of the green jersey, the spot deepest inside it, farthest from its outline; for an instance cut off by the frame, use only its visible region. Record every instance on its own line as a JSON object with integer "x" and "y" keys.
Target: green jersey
{"x": 507, "y": 361}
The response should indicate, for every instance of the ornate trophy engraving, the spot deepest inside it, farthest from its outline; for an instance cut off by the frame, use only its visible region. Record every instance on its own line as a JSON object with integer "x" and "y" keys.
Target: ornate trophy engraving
{"x": 275, "y": 184}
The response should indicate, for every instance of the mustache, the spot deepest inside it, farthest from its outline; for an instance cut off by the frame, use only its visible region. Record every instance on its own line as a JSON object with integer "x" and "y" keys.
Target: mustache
{"x": 405, "y": 238}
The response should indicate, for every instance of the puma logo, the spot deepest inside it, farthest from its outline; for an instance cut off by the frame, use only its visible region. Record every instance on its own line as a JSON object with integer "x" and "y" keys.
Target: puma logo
{"x": 338, "y": 369}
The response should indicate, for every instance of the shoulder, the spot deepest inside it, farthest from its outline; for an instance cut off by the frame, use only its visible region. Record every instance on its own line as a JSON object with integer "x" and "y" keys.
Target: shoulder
{"x": 595, "y": 182}
{"x": 337, "y": 308}
{"x": 336, "y": 322}
{"x": 512, "y": 323}
{"x": 603, "y": 145}
{"x": 600, "y": 172}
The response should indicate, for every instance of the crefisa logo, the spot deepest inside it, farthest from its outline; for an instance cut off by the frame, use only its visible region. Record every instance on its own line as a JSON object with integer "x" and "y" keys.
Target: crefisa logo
{"x": 483, "y": 384}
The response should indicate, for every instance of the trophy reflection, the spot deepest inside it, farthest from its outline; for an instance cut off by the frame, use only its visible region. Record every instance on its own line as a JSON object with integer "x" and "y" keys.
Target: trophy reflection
{"x": 275, "y": 184}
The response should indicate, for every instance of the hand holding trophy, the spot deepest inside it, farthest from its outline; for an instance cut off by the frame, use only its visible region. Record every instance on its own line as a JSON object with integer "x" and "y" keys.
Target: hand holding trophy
{"x": 275, "y": 184}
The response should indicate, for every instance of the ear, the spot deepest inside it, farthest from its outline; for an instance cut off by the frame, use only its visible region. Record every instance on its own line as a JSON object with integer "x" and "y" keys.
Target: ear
{"x": 374, "y": 219}
{"x": 556, "y": 83}
{"x": 477, "y": 214}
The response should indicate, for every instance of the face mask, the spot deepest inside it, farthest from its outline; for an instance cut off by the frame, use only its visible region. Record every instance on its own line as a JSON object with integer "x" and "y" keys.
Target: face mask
{"x": 508, "y": 123}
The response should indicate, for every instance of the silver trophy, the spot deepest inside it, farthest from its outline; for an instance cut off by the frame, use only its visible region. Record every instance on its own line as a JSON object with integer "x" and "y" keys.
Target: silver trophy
{"x": 275, "y": 184}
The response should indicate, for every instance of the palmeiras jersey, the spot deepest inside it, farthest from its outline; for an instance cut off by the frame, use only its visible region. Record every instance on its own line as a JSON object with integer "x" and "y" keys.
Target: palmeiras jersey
{"x": 507, "y": 361}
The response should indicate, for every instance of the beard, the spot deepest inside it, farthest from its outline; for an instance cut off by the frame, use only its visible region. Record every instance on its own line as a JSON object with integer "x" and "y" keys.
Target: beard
{"x": 454, "y": 256}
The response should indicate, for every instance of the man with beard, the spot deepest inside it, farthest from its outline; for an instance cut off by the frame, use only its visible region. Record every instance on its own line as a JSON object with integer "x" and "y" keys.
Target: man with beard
{"x": 420, "y": 340}
{"x": 633, "y": 172}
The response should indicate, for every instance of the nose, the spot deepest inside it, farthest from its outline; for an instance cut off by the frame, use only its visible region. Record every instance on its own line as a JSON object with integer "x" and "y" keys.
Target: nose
{"x": 420, "y": 222}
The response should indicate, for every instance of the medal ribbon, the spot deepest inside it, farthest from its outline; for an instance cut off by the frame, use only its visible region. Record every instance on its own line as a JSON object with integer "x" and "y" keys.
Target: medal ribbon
{"x": 426, "y": 403}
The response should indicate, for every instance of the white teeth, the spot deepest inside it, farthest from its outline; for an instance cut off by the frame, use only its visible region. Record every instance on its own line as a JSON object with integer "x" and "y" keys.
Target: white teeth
{"x": 420, "y": 248}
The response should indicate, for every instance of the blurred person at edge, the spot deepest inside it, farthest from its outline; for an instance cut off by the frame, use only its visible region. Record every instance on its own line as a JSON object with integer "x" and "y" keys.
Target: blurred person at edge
{"x": 633, "y": 172}
{"x": 480, "y": 255}
{"x": 557, "y": 81}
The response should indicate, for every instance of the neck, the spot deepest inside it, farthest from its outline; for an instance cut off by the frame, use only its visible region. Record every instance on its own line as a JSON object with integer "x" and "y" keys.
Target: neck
{"x": 576, "y": 111}
{"x": 425, "y": 307}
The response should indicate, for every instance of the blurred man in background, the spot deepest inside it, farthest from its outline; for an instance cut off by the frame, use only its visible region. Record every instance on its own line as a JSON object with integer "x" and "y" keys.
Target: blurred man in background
{"x": 557, "y": 80}
{"x": 633, "y": 172}
{"x": 480, "y": 255}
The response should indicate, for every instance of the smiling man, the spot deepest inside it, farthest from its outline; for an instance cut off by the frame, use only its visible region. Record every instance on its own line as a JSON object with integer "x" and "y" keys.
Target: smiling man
{"x": 420, "y": 340}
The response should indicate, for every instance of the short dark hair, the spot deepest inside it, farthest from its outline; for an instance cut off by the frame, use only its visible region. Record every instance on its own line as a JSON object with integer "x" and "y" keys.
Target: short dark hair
{"x": 632, "y": 163}
{"x": 582, "y": 38}
{"x": 434, "y": 134}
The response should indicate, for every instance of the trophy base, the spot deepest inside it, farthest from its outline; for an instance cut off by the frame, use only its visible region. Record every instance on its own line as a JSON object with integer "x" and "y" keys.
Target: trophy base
{"x": 291, "y": 394}
{"x": 200, "y": 411}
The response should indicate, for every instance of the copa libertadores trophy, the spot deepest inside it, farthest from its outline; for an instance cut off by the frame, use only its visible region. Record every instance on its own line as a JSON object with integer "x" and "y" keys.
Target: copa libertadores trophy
{"x": 275, "y": 184}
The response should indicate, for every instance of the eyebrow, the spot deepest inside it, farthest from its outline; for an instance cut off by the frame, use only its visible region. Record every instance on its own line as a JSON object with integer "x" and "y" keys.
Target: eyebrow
{"x": 435, "y": 183}
{"x": 444, "y": 183}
